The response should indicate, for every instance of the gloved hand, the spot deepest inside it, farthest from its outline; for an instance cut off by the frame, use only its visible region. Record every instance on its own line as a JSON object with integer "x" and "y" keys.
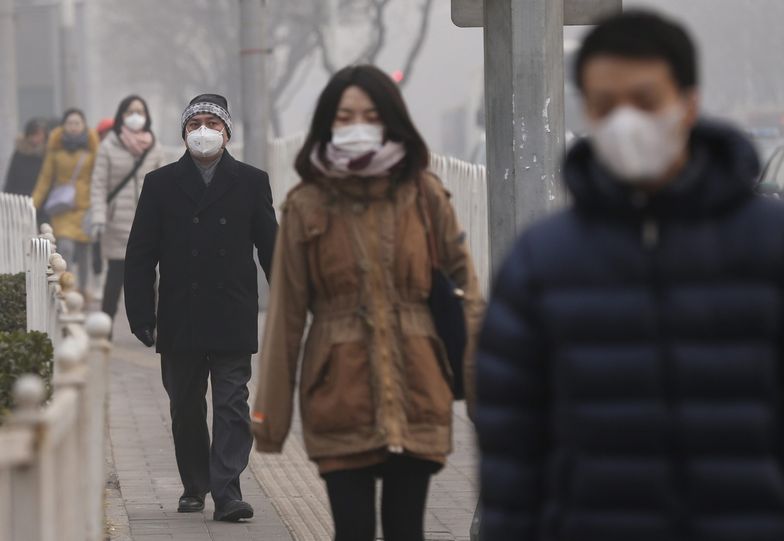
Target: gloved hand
{"x": 146, "y": 336}
{"x": 97, "y": 230}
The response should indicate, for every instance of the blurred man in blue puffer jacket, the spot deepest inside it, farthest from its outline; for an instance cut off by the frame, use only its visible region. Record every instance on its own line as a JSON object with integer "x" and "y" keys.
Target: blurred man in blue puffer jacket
{"x": 630, "y": 381}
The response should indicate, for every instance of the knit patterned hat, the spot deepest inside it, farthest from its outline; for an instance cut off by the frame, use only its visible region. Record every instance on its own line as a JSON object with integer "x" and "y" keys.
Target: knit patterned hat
{"x": 213, "y": 104}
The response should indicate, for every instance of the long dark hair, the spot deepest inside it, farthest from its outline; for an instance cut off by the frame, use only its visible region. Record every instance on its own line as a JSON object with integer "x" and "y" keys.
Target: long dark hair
{"x": 391, "y": 108}
{"x": 124, "y": 104}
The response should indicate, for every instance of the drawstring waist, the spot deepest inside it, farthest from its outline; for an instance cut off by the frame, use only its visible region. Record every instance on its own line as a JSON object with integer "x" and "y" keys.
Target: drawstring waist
{"x": 337, "y": 307}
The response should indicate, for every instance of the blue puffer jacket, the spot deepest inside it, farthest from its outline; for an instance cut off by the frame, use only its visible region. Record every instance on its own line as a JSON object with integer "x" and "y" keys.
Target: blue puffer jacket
{"x": 630, "y": 376}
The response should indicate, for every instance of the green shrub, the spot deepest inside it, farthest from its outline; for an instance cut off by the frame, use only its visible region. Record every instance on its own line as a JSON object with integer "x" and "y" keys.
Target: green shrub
{"x": 23, "y": 353}
{"x": 13, "y": 302}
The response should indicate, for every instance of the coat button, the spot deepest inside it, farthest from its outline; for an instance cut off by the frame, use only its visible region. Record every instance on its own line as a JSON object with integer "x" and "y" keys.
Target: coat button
{"x": 194, "y": 253}
{"x": 195, "y": 219}
{"x": 222, "y": 221}
{"x": 222, "y": 252}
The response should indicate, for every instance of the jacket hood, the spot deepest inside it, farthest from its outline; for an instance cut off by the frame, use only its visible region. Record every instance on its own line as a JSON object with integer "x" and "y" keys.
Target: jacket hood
{"x": 721, "y": 171}
{"x": 24, "y": 147}
{"x": 56, "y": 140}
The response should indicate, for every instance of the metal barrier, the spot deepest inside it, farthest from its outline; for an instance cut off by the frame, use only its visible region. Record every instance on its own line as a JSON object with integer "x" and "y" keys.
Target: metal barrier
{"x": 52, "y": 466}
{"x": 17, "y": 225}
{"x": 467, "y": 183}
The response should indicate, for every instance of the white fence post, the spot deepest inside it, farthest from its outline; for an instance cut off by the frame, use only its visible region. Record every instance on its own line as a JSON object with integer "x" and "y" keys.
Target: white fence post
{"x": 63, "y": 447}
{"x": 52, "y": 465}
{"x": 23, "y": 521}
{"x": 98, "y": 327}
{"x": 38, "y": 294}
{"x": 17, "y": 225}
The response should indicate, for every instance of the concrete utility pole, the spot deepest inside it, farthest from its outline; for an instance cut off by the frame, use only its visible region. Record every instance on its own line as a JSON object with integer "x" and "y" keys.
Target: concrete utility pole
{"x": 70, "y": 65}
{"x": 255, "y": 92}
{"x": 524, "y": 104}
{"x": 8, "y": 90}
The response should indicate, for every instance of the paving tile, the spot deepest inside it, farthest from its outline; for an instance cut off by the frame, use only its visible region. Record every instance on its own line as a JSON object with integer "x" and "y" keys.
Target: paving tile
{"x": 143, "y": 503}
{"x": 144, "y": 506}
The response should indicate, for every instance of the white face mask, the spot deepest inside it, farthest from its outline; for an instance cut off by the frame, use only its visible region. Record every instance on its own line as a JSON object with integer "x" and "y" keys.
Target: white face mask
{"x": 639, "y": 147}
{"x": 358, "y": 139}
{"x": 135, "y": 121}
{"x": 204, "y": 142}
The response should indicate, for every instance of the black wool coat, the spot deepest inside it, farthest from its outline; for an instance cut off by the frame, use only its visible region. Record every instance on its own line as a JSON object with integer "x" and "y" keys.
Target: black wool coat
{"x": 23, "y": 172}
{"x": 202, "y": 238}
{"x": 630, "y": 380}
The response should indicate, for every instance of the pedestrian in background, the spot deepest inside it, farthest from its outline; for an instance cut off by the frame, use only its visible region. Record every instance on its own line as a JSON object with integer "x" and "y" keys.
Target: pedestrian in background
{"x": 198, "y": 220}
{"x": 27, "y": 159}
{"x": 125, "y": 156}
{"x": 353, "y": 250}
{"x": 63, "y": 188}
{"x": 629, "y": 370}
{"x": 104, "y": 127}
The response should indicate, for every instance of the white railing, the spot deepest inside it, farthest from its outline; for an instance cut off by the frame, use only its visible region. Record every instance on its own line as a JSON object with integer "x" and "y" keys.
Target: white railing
{"x": 17, "y": 225}
{"x": 52, "y": 466}
{"x": 466, "y": 181}
{"x": 468, "y": 184}
{"x": 42, "y": 266}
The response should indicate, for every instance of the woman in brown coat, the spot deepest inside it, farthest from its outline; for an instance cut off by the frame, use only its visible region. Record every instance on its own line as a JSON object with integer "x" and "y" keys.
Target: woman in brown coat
{"x": 352, "y": 250}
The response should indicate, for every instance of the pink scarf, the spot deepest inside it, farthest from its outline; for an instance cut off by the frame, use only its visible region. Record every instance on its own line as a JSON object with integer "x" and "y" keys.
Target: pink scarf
{"x": 373, "y": 164}
{"x": 136, "y": 142}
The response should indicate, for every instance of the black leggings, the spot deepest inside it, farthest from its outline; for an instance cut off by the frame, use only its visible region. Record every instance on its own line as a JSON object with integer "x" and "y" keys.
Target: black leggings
{"x": 115, "y": 275}
{"x": 352, "y": 497}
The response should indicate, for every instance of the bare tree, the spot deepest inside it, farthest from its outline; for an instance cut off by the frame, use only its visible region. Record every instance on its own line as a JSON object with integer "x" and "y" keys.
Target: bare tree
{"x": 375, "y": 12}
{"x": 188, "y": 44}
{"x": 302, "y": 33}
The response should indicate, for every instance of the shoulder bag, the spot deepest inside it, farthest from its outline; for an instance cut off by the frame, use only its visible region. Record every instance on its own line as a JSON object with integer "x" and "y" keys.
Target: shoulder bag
{"x": 445, "y": 302}
{"x": 62, "y": 198}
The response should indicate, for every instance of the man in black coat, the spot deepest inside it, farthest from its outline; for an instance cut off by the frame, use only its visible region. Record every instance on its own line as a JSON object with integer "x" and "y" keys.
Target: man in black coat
{"x": 198, "y": 220}
{"x": 629, "y": 373}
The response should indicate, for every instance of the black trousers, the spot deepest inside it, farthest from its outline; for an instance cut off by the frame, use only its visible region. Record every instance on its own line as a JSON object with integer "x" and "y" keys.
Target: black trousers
{"x": 352, "y": 498}
{"x": 115, "y": 275}
{"x": 203, "y": 467}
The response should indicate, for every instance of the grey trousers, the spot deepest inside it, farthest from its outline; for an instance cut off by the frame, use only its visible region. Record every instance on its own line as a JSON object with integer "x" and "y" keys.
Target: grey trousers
{"x": 75, "y": 254}
{"x": 206, "y": 467}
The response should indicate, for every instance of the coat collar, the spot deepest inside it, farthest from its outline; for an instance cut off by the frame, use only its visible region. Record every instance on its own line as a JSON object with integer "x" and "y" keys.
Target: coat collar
{"x": 720, "y": 174}
{"x": 190, "y": 181}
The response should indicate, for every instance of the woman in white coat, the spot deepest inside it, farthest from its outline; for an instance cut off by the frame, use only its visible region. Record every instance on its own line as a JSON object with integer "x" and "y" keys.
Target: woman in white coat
{"x": 125, "y": 156}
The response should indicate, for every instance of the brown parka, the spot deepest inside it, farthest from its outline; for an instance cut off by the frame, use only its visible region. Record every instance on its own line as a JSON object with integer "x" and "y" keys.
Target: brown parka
{"x": 374, "y": 376}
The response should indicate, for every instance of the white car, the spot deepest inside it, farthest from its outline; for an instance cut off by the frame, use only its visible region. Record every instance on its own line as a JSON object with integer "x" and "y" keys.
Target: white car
{"x": 771, "y": 181}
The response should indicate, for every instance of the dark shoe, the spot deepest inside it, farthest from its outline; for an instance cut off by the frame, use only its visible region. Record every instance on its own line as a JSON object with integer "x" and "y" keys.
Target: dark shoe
{"x": 233, "y": 511}
{"x": 191, "y": 504}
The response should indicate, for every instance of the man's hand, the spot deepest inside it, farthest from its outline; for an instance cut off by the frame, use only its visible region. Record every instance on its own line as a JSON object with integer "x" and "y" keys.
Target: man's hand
{"x": 146, "y": 336}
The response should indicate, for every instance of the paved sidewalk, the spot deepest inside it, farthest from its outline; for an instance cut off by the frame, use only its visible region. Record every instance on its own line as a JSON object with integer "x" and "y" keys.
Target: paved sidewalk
{"x": 287, "y": 495}
{"x": 144, "y": 485}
